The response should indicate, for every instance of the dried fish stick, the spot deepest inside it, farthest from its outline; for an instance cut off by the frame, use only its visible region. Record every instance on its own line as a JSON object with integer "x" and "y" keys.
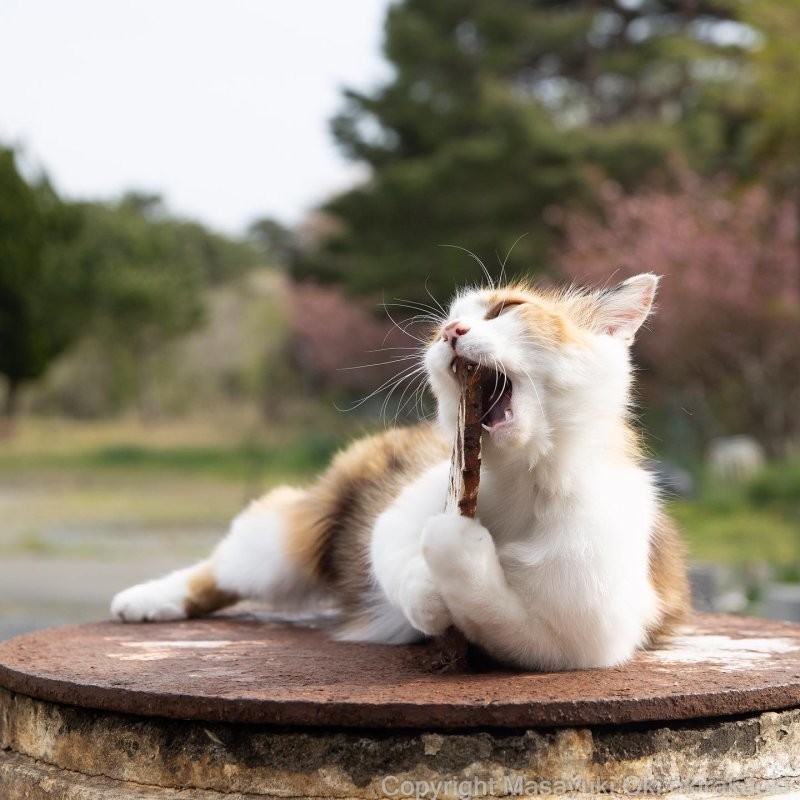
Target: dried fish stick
{"x": 465, "y": 463}
{"x": 450, "y": 651}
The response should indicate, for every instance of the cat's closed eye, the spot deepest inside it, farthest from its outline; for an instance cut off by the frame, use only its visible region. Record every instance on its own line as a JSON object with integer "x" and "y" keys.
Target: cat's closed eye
{"x": 500, "y": 308}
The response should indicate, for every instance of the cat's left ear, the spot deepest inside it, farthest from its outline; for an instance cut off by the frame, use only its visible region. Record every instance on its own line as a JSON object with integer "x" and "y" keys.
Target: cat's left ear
{"x": 622, "y": 310}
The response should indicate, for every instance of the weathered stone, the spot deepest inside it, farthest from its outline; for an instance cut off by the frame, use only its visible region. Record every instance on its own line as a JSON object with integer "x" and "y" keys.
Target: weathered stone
{"x": 23, "y": 778}
{"x": 274, "y": 761}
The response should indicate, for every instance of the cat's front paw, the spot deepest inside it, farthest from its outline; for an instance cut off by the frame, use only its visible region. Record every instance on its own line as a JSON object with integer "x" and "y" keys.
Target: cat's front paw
{"x": 161, "y": 600}
{"x": 423, "y": 604}
{"x": 454, "y": 545}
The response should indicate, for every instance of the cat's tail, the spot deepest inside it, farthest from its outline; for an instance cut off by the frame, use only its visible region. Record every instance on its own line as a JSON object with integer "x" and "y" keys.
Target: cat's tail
{"x": 272, "y": 553}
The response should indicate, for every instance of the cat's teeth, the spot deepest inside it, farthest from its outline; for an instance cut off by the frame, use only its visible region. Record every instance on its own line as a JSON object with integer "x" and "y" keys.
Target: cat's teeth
{"x": 486, "y": 427}
{"x": 509, "y": 414}
{"x": 455, "y": 368}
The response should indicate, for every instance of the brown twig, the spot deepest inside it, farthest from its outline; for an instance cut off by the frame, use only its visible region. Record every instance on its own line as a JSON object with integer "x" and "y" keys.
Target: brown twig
{"x": 465, "y": 463}
{"x": 450, "y": 651}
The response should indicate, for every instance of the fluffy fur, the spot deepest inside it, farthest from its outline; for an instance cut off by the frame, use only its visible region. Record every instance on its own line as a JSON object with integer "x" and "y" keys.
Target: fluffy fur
{"x": 571, "y": 561}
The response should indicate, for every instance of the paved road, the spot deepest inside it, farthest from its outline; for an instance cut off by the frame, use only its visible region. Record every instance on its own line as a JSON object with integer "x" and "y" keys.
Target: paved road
{"x": 39, "y": 592}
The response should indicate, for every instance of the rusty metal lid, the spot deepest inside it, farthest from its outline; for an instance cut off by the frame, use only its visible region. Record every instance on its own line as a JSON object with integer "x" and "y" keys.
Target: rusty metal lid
{"x": 248, "y": 669}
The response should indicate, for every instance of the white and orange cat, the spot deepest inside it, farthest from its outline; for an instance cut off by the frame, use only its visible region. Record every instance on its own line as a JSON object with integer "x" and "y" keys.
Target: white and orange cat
{"x": 571, "y": 562}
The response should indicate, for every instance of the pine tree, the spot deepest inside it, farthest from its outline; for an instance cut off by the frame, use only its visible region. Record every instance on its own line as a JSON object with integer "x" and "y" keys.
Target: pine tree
{"x": 502, "y": 110}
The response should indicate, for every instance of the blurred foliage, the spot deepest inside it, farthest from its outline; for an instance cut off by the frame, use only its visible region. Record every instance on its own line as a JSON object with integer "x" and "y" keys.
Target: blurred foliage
{"x": 235, "y": 357}
{"x": 43, "y": 287}
{"x": 274, "y": 239}
{"x": 126, "y": 273}
{"x": 150, "y": 275}
{"x": 778, "y": 487}
{"x": 499, "y": 109}
{"x": 725, "y": 349}
{"x": 773, "y": 140}
{"x": 586, "y": 136}
{"x": 746, "y": 522}
{"x": 230, "y": 446}
{"x": 309, "y": 453}
{"x": 515, "y": 130}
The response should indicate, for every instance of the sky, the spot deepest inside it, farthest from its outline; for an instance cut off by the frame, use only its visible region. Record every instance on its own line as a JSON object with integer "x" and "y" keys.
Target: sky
{"x": 222, "y": 106}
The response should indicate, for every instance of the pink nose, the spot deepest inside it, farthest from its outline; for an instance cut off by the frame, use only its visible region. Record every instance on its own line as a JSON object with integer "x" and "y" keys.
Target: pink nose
{"x": 452, "y": 331}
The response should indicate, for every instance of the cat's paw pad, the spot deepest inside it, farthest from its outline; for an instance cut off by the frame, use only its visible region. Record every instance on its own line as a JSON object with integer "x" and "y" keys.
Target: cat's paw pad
{"x": 450, "y": 542}
{"x": 423, "y": 605}
{"x": 161, "y": 600}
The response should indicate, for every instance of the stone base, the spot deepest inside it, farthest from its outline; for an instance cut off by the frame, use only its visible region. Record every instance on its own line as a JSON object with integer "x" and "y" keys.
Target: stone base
{"x": 24, "y": 778}
{"x": 66, "y": 753}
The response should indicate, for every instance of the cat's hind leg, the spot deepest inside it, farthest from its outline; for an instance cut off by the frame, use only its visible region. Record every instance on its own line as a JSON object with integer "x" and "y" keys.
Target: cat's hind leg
{"x": 269, "y": 554}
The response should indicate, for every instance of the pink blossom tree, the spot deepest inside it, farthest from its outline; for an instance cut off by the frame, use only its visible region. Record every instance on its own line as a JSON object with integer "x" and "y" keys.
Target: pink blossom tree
{"x": 725, "y": 343}
{"x": 346, "y": 345}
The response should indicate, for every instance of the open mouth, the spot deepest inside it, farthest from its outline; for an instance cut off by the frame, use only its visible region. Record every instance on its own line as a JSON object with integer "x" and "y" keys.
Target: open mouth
{"x": 496, "y": 390}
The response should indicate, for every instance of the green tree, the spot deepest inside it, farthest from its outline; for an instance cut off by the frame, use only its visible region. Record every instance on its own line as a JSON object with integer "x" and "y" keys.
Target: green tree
{"x": 43, "y": 291}
{"x": 274, "y": 240}
{"x": 772, "y": 143}
{"x": 500, "y": 109}
{"x": 151, "y": 272}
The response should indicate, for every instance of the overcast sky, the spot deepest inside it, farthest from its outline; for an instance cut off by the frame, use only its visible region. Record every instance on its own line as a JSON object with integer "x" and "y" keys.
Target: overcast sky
{"x": 221, "y": 105}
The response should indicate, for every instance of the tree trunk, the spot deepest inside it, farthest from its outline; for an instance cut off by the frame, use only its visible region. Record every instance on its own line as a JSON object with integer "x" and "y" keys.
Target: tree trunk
{"x": 11, "y": 403}
{"x": 10, "y": 407}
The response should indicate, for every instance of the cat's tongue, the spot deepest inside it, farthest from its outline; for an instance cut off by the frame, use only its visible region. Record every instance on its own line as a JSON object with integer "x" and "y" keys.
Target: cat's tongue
{"x": 496, "y": 401}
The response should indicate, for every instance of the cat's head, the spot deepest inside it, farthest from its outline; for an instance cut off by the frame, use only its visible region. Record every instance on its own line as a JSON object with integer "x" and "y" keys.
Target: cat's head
{"x": 551, "y": 361}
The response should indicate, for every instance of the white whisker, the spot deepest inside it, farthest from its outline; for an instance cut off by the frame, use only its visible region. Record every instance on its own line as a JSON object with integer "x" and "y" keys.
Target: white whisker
{"x": 405, "y": 373}
{"x": 436, "y": 313}
{"x": 535, "y": 391}
{"x": 394, "y": 388}
{"x": 508, "y": 255}
{"x": 379, "y": 363}
{"x": 435, "y": 301}
{"x": 472, "y": 255}
{"x": 498, "y": 370}
{"x": 397, "y": 325}
{"x": 382, "y": 349}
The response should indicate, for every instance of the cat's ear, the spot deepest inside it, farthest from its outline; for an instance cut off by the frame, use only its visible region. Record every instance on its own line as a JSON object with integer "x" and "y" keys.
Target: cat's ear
{"x": 621, "y": 311}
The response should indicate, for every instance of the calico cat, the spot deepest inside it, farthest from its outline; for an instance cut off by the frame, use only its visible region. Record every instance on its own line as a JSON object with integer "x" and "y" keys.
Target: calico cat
{"x": 571, "y": 561}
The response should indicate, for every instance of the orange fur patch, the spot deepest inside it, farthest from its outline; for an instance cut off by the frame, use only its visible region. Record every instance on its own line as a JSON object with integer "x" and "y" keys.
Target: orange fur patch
{"x": 668, "y": 577}
{"x": 304, "y": 538}
{"x": 204, "y": 596}
{"x": 329, "y": 525}
{"x": 548, "y": 317}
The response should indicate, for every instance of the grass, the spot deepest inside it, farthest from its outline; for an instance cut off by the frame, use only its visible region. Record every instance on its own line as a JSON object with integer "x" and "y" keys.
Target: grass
{"x": 233, "y": 447}
{"x": 738, "y": 535}
{"x": 235, "y": 461}
{"x": 75, "y": 489}
{"x": 72, "y": 485}
{"x": 756, "y": 521}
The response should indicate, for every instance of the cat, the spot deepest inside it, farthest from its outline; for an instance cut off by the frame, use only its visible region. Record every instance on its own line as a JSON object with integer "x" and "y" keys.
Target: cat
{"x": 571, "y": 561}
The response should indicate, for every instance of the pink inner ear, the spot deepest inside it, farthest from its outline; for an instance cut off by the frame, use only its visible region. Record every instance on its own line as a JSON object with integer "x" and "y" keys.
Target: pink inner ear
{"x": 622, "y": 313}
{"x": 634, "y": 316}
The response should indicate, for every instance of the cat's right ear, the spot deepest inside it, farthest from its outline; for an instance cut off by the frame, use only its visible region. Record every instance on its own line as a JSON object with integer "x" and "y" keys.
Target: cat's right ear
{"x": 621, "y": 311}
